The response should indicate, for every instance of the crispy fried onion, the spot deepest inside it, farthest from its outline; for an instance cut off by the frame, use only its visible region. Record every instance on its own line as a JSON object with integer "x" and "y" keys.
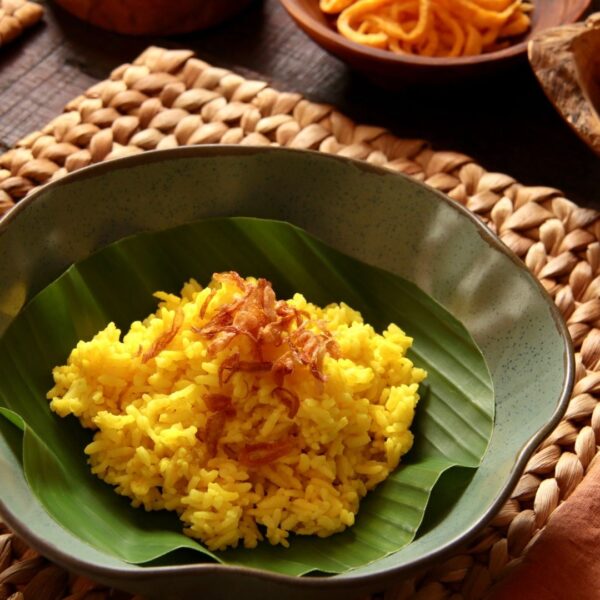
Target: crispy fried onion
{"x": 309, "y": 349}
{"x": 215, "y": 424}
{"x": 287, "y": 398}
{"x": 259, "y": 317}
{"x": 264, "y": 453}
{"x": 219, "y": 403}
{"x": 161, "y": 342}
{"x": 221, "y": 408}
{"x": 256, "y": 315}
{"x": 233, "y": 364}
{"x": 251, "y": 455}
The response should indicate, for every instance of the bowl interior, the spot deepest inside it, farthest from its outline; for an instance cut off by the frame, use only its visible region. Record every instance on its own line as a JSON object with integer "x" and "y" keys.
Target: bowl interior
{"x": 378, "y": 217}
{"x": 548, "y": 13}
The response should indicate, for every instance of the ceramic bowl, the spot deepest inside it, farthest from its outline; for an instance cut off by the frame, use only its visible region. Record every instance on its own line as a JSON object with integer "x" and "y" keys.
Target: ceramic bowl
{"x": 391, "y": 69}
{"x": 380, "y": 217}
{"x": 159, "y": 17}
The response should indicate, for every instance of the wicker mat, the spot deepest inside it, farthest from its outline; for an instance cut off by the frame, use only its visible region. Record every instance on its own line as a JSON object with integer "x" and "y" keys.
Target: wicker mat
{"x": 169, "y": 98}
{"x": 15, "y": 16}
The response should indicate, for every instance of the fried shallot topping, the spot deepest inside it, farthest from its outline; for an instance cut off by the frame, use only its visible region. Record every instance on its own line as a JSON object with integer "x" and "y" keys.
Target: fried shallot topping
{"x": 289, "y": 399}
{"x": 264, "y": 453}
{"x": 233, "y": 364}
{"x": 214, "y": 429}
{"x": 161, "y": 342}
{"x": 219, "y": 403}
{"x": 206, "y": 302}
{"x": 273, "y": 328}
{"x": 259, "y": 317}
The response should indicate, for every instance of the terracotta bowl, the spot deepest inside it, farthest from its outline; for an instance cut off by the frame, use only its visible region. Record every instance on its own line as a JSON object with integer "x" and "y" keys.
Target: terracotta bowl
{"x": 153, "y": 17}
{"x": 387, "y": 68}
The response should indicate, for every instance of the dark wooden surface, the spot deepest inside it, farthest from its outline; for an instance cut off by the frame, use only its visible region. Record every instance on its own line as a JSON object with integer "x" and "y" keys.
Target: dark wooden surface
{"x": 504, "y": 122}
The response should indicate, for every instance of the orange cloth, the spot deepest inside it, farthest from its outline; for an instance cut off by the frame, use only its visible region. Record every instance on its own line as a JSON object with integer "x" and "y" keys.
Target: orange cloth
{"x": 564, "y": 562}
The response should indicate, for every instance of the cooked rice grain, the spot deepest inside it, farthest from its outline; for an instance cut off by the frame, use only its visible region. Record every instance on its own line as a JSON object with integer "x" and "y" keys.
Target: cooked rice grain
{"x": 151, "y": 419}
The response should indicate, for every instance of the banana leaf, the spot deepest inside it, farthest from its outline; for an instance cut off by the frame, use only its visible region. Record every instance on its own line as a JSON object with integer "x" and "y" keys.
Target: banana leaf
{"x": 452, "y": 429}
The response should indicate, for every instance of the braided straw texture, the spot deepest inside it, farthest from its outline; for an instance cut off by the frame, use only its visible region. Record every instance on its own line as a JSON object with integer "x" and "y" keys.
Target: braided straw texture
{"x": 15, "y": 16}
{"x": 168, "y": 98}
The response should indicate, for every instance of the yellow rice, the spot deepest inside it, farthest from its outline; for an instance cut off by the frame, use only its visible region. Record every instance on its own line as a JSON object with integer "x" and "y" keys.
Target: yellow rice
{"x": 148, "y": 418}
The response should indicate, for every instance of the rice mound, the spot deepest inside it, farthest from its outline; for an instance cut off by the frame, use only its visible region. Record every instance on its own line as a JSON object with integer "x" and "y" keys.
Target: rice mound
{"x": 189, "y": 426}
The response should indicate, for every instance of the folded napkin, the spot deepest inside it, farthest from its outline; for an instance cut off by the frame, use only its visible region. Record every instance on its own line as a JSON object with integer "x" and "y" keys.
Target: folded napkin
{"x": 564, "y": 562}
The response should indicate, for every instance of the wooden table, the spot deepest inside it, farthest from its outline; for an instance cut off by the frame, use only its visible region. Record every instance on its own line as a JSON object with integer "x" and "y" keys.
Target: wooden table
{"x": 505, "y": 122}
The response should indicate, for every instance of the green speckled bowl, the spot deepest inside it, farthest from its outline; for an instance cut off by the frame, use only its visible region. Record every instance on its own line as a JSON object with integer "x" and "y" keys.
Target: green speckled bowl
{"x": 374, "y": 215}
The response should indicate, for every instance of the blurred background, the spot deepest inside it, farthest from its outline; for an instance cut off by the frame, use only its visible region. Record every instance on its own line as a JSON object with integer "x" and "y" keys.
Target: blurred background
{"x": 503, "y": 121}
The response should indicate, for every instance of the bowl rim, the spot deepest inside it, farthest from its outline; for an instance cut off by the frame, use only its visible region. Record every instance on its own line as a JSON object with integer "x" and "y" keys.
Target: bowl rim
{"x": 307, "y": 582}
{"x": 309, "y": 23}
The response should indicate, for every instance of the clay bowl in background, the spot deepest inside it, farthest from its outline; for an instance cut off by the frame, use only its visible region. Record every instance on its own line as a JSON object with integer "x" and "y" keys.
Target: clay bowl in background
{"x": 153, "y": 17}
{"x": 389, "y": 69}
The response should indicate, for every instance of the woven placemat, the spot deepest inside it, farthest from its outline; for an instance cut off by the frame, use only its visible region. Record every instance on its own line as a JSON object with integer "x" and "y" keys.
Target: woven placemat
{"x": 168, "y": 98}
{"x": 15, "y": 16}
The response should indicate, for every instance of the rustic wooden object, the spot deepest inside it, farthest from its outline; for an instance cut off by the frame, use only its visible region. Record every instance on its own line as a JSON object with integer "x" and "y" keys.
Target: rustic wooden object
{"x": 566, "y": 61}
{"x": 169, "y": 98}
{"x": 15, "y": 16}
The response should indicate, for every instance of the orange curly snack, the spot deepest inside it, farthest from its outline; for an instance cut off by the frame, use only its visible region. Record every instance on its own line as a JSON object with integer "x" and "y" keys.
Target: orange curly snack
{"x": 431, "y": 27}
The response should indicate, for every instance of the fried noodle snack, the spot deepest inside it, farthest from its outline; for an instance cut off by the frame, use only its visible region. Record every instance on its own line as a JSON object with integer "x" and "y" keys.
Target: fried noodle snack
{"x": 439, "y": 28}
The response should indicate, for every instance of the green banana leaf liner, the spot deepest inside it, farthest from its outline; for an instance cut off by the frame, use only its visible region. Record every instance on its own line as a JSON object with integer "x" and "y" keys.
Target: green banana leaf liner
{"x": 452, "y": 428}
